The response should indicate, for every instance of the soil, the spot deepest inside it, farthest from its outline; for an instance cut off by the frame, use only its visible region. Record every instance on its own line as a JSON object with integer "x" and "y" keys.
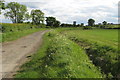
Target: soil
{"x": 15, "y": 53}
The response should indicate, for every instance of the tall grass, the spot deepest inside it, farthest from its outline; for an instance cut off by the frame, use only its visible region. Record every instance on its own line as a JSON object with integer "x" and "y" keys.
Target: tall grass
{"x": 101, "y": 46}
{"x": 8, "y": 27}
{"x": 59, "y": 57}
{"x": 18, "y": 34}
{"x": 14, "y": 31}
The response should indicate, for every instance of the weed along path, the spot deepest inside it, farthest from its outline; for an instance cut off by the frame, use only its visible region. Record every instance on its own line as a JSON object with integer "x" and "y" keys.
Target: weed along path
{"x": 14, "y": 53}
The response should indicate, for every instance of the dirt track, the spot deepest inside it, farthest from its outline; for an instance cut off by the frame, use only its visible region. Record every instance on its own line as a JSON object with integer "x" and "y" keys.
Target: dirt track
{"x": 14, "y": 53}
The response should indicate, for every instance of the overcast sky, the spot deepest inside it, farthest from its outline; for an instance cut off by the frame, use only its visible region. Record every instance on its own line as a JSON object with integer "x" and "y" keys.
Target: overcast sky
{"x": 68, "y": 11}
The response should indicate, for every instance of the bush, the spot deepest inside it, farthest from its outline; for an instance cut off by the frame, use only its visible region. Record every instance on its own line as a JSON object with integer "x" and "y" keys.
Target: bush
{"x": 87, "y": 27}
{"x": 41, "y": 26}
{"x": 48, "y": 27}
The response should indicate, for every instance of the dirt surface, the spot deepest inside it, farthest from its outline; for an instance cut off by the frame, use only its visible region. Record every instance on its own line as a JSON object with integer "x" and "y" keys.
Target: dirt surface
{"x": 14, "y": 53}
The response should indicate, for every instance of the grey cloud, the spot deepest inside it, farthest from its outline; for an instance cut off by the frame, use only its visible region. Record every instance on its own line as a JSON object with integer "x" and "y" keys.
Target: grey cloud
{"x": 32, "y": 4}
{"x": 79, "y": 10}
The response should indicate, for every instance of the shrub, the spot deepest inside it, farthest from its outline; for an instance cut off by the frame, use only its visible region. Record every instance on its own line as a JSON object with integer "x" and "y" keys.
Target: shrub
{"x": 87, "y": 27}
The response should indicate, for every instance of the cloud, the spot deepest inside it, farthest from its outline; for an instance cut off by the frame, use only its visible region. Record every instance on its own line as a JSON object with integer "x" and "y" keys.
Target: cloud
{"x": 80, "y": 10}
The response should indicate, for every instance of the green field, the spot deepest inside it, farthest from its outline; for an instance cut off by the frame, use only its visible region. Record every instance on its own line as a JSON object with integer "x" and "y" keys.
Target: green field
{"x": 69, "y": 52}
{"x": 101, "y": 45}
{"x": 101, "y": 36}
{"x": 59, "y": 57}
{"x": 66, "y": 53}
{"x": 12, "y": 32}
{"x": 72, "y": 44}
{"x": 16, "y": 35}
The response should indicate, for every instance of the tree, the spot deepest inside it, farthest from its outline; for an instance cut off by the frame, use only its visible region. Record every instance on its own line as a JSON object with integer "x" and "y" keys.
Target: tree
{"x": 91, "y": 22}
{"x": 74, "y": 23}
{"x": 27, "y": 16}
{"x": 56, "y": 24}
{"x": 82, "y": 24}
{"x": 66, "y": 25}
{"x": 2, "y": 5}
{"x": 104, "y": 22}
{"x": 37, "y": 16}
{"x": 50, "y": 21}
{"x": 16, "y": 12}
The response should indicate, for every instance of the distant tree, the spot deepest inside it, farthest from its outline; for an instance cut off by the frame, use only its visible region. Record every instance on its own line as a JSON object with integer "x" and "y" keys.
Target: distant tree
{"x": 2, "y": 5}
{"x": 37, "y": 16}
{"x": 68, "y": 25}
{"x": 82, "y": 24}
{"x": 104, "y": 22}
{"x": 56, "y": 24}
{"x": 74, "y": 23}
{"x": 62, "y": 25}
{"x": 16, "y": 12}
{"x": 111, "y": 23}
{"x": 91, "y": 22}
{"x": 108, "y": 23}
{"x": 87, "y": 27}
{"x": 99, "y": 24}
{"x": 51, "y": 21}
{"x": 78, "y": 25}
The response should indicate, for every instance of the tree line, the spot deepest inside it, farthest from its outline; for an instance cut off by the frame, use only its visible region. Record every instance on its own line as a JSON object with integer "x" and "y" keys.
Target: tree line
{"x": 18, "y": 13}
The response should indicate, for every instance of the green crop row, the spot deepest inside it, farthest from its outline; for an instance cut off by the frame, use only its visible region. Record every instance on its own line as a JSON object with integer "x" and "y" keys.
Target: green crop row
{"x": 59, "y": 57}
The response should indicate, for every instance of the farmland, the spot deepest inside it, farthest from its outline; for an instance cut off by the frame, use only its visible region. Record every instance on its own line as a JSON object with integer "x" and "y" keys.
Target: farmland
{"x": 14, "y": 31}
{"x": 60, "y": 41}
{"x": 101, "y": 36}
{"x": 68, "y": 52}
{"x": 101, "y": 45}
{"x": 73, "y": 50}
{"x": 59, "y": 57}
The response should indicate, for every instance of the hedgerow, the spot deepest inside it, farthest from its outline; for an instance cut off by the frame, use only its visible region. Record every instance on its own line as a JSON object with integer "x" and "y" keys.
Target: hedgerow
{"x": 14, "y": 31}
{"x": 7, "y": 27}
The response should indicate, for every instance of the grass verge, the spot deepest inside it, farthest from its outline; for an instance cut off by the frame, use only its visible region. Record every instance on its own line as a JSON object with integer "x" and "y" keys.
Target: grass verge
{"x": 59, "y": 57}
{"x": 9, "y": 36}
{"x": 104, "y": 55}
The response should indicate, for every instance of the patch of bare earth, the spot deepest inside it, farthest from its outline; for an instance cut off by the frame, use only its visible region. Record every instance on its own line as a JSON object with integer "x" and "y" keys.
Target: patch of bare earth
{"x": 14, "y": 53}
